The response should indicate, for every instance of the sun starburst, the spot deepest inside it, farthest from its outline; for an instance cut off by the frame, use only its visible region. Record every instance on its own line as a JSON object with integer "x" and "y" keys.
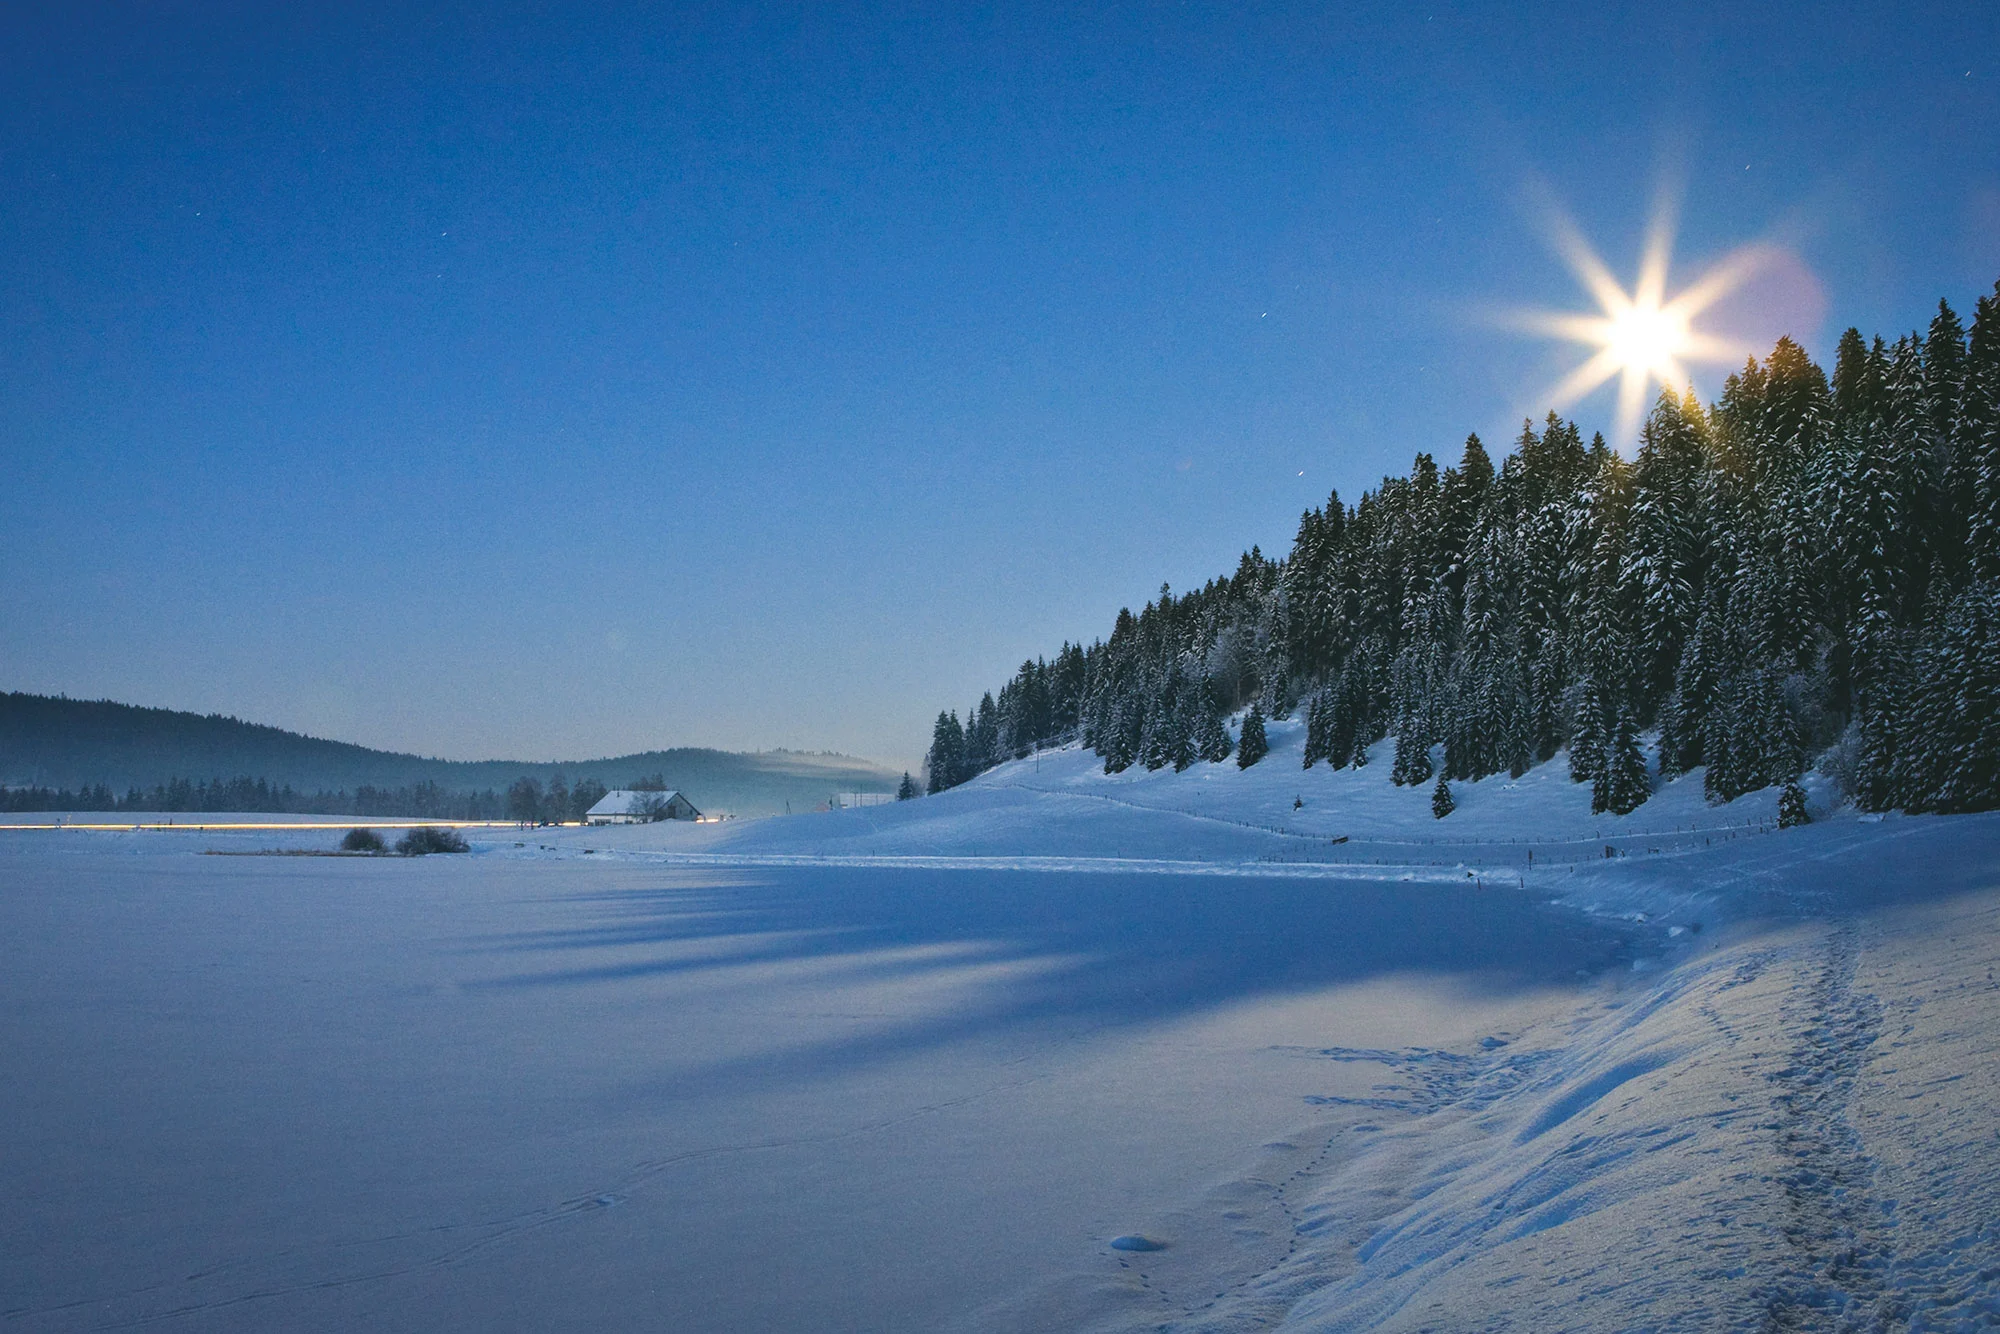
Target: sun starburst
{"x": 1641, "y": 337}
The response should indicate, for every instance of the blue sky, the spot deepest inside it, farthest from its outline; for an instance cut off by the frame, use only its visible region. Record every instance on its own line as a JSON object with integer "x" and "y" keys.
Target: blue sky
{"x": 550, "y": 381}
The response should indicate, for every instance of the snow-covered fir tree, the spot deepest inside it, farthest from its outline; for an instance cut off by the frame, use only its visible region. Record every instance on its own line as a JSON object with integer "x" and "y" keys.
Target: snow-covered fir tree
{"x": 1621, "y": 784}
{"x": 1441, "y": 799}
{"x": 1252, "y": 746}
{"x": 1792, "y": 806}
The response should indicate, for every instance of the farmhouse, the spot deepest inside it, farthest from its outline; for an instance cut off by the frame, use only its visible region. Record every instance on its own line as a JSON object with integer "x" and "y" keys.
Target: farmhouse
{"x": 627, "y": 807}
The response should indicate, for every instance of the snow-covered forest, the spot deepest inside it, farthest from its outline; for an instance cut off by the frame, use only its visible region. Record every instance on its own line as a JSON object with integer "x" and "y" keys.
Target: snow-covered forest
{"x": 1804, "y": 572}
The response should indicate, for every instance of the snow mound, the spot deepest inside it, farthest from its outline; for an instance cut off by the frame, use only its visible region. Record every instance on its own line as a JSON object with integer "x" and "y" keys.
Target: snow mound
{"x": 1132, "y": 1241}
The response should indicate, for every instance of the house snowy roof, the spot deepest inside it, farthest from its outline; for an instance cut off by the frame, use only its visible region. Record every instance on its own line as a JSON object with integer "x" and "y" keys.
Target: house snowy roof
{"x": 627, "y": 802}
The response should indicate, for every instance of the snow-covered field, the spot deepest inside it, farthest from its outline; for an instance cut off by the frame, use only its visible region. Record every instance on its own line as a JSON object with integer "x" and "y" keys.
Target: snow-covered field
{"x": 916, "y": 1067}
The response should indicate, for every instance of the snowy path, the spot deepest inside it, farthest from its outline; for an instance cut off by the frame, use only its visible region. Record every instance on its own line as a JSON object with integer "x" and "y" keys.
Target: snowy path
{"x": 1795, "y": 1130}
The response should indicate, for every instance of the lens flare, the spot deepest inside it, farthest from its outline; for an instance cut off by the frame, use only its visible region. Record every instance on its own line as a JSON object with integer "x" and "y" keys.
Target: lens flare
{"x": 1641, "y": 337}
{"x": 1649, "y": 338}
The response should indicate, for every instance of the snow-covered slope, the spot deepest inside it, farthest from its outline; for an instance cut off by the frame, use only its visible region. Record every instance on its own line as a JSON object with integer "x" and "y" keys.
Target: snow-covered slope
{"x": 1060, "y": 810}
{"x": 1062, "y": 803}
{"x": 903, "y": 1068}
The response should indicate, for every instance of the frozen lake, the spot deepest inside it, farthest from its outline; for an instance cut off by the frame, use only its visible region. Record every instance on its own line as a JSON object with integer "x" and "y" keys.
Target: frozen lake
{"x": 490, "y": 1092}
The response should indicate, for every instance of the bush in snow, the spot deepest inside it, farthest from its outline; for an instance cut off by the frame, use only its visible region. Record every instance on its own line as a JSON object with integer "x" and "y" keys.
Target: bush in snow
{"x": 1842, "y": 764}
{"x": 362, "y": 840}
{"x": 427, "y": 839}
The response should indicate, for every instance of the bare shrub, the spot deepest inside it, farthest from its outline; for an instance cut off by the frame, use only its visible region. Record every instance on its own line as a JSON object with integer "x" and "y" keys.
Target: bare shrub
{"x": 427, "y": 839}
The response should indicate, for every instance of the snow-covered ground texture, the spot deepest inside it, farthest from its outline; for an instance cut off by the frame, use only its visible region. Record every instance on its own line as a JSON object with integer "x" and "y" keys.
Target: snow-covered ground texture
{"x": 917, "y": 1067}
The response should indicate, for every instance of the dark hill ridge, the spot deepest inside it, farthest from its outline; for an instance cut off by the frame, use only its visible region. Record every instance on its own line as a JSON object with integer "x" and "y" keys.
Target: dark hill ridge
{"x": 53, "y": 742}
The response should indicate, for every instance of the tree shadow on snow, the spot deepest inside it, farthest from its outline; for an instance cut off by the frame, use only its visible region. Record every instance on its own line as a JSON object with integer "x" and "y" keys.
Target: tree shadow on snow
{"x": 1078, "y": 950}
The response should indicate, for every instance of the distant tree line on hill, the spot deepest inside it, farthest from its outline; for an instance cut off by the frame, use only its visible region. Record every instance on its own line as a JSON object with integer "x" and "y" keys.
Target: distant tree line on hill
{"x": 420, "y": 801}
{"x": 1807, "y": 567}
{"x": 525, "y": 800}
{"x": 560, "y": 803}
{"x": 51, "y": 743}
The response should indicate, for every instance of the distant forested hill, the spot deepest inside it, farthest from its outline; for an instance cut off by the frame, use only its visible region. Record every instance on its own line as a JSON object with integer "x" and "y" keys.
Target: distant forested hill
{"x": 54, "y": 744}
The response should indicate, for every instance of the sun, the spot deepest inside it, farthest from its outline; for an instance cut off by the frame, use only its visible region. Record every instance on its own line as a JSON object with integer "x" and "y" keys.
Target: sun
{"x": 1643, "y": 337}
{"x": 1649, "y": 338}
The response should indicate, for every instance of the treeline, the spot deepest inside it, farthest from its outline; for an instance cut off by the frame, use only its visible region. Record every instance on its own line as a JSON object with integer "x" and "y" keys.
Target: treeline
{"x": 1807, "y": 568}
{"x": 421, "y": 800}
{"x": 1043, "y": 703}
{"x": 526, "y": 800}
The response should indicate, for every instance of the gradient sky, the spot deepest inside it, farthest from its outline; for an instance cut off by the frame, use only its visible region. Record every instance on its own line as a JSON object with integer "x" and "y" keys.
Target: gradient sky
{"x": 551, "y": 381}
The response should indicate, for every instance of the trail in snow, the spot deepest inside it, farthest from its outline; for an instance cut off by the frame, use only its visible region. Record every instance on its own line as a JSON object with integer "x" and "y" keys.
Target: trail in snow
{"x": 1795, "y": 1128}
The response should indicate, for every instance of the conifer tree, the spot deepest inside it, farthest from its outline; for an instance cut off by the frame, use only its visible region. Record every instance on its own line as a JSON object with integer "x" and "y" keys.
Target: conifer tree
{"x": 1588, "y": 734}
{"x": 1252, "y": 745}
{"x": 1319, "y": 710}
{"x": 1912, "y": 459}
{"x": 1347, "y": 731}
{"x": 1792, "y": 806}
{"x": 1877, "y": 778}
{"x": 1462, "y": 731}
{"x": 1211, "y": 738}
{"x": 908, "y": 789}
{"x": 1441, "y": 801}
{"x": 1669, "y": 552}
{"x": 1783, "y": 749}
{"x": 982, "y": 739}
{"x": 1177, "y": 733}
{"x": 1724, "y": 737}
{"x": 1413, "y": 758}
{"x": 524, "y": 801}
{"x": 1978, "y": 437}
{"x": 946, "y": 759}
{"x": 1621, "y": 785}
{"x": 1951, "y": 472}
{"x": 1857, "y": 393}
{"x": 1697, "y": 687}
{"x": 1154, "y": 750}
{"x": 1121, "y": 731}
{"x": 1950, "y": 758}
{"x": 1873, "y": 546}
